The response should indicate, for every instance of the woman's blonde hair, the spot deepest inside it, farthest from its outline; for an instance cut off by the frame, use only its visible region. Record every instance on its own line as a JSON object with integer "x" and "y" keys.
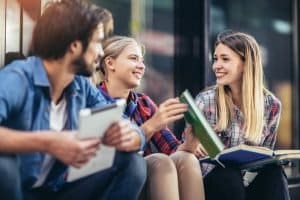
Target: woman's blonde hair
{"x": 113, "y": 47}
{"x": 252, "y": 86}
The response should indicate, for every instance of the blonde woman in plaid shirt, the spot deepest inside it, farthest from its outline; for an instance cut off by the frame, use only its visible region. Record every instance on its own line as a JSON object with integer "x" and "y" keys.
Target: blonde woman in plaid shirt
{"x": 242, "y": 111}
{"x": 173, "y": 172}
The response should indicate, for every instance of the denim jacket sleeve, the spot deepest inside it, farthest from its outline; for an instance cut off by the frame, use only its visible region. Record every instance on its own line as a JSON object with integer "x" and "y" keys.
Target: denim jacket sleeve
{"x": 12, "y": 92}
{"x": 93, "y": 96}
{"x": 140, "y": 132}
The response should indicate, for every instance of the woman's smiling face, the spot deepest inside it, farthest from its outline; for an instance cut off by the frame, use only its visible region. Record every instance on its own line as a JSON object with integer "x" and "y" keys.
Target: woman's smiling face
{"x": 228, "y": 66}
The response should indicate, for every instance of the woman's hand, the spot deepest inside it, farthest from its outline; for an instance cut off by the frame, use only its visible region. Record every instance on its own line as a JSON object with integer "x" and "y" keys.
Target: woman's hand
{"x": 192, "y": 144}
{"x": 200, "y": 151}
{"x": 169, "y": 111}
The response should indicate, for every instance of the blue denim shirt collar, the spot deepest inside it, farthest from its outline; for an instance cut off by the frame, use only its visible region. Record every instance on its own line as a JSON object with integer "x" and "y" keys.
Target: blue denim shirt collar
{"x": 40, "y": 77}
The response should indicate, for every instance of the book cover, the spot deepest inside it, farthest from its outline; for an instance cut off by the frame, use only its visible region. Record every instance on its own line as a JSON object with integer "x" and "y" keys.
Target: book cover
{"x": 243, "y": 154}
{"x": 252, "y": 157}
{"x": 280, "y": 157}
{"x": 201, "y": 128}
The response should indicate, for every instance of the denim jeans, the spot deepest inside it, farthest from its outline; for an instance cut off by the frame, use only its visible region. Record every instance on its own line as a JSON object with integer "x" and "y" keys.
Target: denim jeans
{"x": 10, "y": 183}
{"x": 124, "y": 180}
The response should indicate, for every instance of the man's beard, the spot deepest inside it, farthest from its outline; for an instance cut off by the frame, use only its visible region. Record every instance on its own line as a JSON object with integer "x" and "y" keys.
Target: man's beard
{"x": 81, "y": 67}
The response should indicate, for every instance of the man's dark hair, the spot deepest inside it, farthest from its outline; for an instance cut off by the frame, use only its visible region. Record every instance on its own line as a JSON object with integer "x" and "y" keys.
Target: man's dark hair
{"x": 62, "y": 23}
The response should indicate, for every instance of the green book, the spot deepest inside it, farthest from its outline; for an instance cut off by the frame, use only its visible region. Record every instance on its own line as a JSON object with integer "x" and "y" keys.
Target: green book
{"x": 201, "y": 128}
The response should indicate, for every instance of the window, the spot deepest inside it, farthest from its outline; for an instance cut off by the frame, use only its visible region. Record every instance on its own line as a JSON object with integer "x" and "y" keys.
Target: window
{"x": 17, "y": 18}
{"x": 136, "y": 18}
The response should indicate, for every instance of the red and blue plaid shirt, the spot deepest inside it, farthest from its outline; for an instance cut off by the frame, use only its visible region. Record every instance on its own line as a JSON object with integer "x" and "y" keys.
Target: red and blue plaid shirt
{"x": 234, "y": 134}
{"x": 139, "y": 109}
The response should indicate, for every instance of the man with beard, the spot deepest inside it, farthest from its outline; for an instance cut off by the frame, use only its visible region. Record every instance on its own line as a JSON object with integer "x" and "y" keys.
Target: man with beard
{"x": 40, "y": 98}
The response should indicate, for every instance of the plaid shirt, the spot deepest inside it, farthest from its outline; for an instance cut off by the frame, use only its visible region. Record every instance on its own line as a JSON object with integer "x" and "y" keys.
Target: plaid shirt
{"x": 139, "y": 109}
{"x": 234, "y": 134}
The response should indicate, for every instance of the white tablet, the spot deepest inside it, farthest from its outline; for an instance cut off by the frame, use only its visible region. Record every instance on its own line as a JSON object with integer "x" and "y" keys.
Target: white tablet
{"x": 93, "y": 123}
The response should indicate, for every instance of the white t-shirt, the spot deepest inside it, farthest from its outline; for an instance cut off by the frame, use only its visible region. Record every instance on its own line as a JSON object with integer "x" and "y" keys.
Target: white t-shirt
{"x": 58, "y": 118}
{"x": 58, "y": 115}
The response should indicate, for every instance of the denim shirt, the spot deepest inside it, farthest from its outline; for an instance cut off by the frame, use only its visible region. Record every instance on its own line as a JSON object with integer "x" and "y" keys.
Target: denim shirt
{"x": 25, "y": 105}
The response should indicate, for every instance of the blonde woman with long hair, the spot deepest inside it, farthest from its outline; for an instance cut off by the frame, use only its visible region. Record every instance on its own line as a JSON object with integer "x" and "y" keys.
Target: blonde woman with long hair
{"x": 173, "y": 177}
{"x": 242, "y": 111}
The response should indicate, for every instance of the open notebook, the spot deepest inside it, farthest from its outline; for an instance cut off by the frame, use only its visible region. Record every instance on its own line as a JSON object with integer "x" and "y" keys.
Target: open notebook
{"x": 252, "y": 157}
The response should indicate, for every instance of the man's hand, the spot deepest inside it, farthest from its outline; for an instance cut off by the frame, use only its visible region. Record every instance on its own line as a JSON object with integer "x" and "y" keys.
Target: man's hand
{"x": 122, "y": 136}
{"x": 70, "y": 150}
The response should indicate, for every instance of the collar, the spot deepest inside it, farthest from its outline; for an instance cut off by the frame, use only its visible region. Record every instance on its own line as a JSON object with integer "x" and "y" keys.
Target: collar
{"x": 40, "y": 77}
{"x": 102, "y": 87}
{"x": 132, "y": 97}
{"x": 132, "y": 100}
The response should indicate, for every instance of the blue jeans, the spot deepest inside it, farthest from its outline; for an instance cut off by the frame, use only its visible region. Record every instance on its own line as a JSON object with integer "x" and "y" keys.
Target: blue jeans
{"x": 124, "y": 180}
{"x": 10, "y": 183}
